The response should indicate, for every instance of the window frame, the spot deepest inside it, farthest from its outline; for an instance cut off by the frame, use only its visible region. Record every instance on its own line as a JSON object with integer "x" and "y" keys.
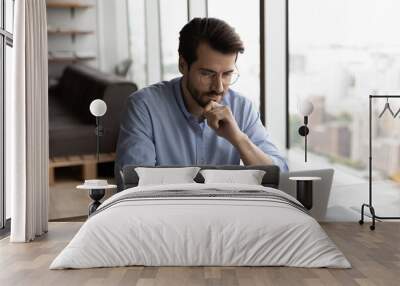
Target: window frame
{"x": 287, "y": 58}
{"x": 262, "y": 62}
{"x": 6, "y": 39}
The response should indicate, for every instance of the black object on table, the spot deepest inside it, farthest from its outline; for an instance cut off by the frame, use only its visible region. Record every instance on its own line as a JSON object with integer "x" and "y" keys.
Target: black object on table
{"x": 304, "y": 190}
{"x": 96, "y": 195}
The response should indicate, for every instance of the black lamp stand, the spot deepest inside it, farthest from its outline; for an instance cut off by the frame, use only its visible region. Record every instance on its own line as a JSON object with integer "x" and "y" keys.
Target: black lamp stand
{"x": 99, "y": 132}
{"x": 96, "y": 195}
{"x": 303, "y": 131}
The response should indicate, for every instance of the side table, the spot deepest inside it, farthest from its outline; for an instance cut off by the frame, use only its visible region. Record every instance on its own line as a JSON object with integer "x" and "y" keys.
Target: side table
{"x": 96, "y": 193}
{"x": 304, "y": 190}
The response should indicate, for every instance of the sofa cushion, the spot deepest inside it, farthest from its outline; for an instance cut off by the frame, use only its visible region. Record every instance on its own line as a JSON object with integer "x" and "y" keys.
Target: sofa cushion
{"x": 71, "y": 125}
{"x": 78, "y": 87}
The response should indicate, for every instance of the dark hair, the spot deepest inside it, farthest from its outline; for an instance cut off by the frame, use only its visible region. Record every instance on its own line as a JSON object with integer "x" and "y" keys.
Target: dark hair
{"x": 215, "y": 32}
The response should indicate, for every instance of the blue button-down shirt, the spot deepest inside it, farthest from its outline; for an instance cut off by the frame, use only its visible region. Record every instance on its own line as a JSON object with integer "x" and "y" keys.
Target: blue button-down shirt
{"x": 157, "y": 129}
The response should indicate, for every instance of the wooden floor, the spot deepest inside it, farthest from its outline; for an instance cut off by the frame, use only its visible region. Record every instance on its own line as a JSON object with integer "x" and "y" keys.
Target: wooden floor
{"x": 375, "y": 257}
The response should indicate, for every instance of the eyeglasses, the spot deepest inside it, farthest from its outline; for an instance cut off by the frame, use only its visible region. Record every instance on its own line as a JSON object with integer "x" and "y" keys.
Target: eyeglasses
{"x": 208, "y": 77}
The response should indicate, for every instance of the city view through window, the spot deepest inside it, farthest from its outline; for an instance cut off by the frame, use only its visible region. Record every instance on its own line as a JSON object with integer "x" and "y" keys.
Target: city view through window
{"x": 340, "y": 52}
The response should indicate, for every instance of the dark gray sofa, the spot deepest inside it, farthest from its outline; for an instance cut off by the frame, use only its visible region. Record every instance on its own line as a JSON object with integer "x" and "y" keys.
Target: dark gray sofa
{"x": 71, "y": 126}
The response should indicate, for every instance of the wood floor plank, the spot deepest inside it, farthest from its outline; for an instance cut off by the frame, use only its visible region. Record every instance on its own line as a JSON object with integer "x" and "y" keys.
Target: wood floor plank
{"x": 375, "y": 257}
{"x": 212, "y": 273}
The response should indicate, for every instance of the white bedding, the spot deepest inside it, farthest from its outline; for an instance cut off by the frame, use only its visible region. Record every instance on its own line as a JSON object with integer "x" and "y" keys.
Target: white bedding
{"x": 182, "y": 231}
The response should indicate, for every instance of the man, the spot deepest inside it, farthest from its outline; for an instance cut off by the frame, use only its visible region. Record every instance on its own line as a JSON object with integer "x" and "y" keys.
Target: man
{"x": 197, "y": 119}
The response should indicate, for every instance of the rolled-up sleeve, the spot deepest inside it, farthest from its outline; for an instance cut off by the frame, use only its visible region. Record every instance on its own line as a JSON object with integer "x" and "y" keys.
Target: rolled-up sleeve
{"x": 260, "y": 137}
{"x": 135, "y": 141}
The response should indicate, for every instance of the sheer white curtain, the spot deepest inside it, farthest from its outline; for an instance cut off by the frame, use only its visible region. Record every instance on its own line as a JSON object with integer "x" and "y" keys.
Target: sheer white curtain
{"x": 27, "y": 124}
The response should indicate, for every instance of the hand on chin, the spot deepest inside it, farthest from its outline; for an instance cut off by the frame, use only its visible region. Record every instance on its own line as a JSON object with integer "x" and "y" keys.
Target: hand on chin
{"x": 222, "y": 121}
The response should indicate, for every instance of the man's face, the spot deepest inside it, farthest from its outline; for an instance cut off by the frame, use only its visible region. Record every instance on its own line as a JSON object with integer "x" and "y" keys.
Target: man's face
{"x": 208, "y": 77}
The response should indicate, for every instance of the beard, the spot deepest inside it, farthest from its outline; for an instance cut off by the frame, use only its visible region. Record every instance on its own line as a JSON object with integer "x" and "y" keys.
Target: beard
{"x": 202, "y": 98}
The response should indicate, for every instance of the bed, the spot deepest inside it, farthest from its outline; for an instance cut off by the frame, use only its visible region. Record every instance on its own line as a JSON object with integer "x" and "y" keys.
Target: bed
{"x": 201, "y": 224}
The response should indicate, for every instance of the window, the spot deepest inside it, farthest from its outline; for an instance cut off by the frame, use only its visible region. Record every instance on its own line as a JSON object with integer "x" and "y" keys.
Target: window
{"x": 340, "y": 51}
{"x": 234, "y": 13}
{"x": 6, "y": 63}
{"x": 173, "y": 16}
{"x": 9, "y": 12}
{"x": 8, "y": 74}
{"x": 137, "y": 41}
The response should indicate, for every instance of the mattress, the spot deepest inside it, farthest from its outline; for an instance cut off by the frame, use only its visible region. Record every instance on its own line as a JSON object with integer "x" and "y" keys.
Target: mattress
{"x": 201, "y": 225}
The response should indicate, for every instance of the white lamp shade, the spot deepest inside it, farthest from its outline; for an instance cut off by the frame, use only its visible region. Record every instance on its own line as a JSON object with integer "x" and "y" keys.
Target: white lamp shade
{"x": 306, "y": 107}
{"x": 98, "y": 107}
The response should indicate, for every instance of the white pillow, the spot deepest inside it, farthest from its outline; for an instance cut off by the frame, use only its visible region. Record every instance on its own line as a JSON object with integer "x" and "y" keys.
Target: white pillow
{"x": 248, "y": 177}
{"x": 163, "y": 176}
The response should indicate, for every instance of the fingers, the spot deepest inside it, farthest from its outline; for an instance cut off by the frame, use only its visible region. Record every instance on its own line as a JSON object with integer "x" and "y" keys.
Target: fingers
{"x": 215, "y": 104}
{"x": 208, "y": 107}
{"x": 212, "y": 106}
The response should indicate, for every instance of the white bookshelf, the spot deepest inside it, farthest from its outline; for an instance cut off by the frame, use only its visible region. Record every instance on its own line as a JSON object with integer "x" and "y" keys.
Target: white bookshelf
{"x": 72, "y": 34}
